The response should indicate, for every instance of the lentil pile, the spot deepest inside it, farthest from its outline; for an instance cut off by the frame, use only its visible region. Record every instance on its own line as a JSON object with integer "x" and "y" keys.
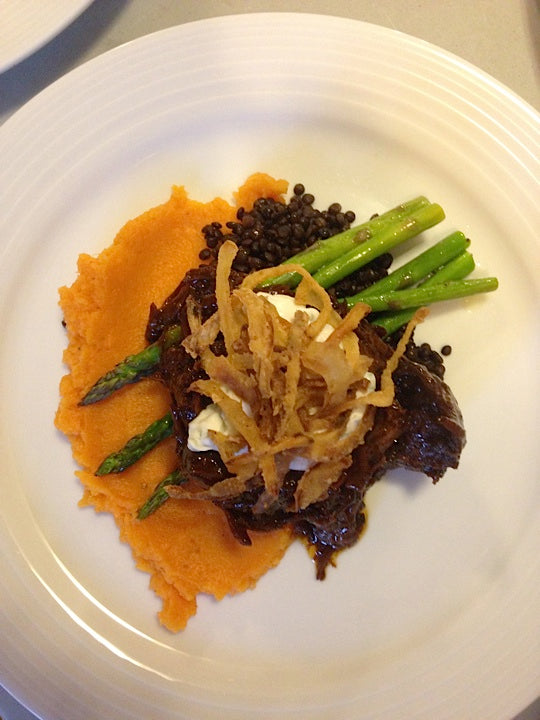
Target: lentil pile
{"x": 274, "y": 231}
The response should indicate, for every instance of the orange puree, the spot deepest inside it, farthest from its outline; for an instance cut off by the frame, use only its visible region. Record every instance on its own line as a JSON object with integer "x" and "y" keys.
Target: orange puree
{"x": 186, "y": 546}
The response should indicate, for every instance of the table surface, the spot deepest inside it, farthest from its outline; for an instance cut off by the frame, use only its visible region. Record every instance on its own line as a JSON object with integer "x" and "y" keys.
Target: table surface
{"x": 502, "y": 37}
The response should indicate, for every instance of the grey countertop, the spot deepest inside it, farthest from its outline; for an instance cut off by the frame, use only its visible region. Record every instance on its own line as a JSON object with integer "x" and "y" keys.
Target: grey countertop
{"x": 501, "y": 37}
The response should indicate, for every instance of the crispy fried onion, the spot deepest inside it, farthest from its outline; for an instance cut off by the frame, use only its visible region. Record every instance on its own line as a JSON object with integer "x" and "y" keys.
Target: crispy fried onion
{"x": 286, "y": 394}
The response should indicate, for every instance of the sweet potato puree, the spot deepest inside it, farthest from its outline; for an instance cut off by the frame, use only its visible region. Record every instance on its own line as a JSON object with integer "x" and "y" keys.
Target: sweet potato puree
{"x": 186, "y": 546}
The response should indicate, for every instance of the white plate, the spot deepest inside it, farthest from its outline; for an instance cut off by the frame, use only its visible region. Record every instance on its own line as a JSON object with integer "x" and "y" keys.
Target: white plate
{"x": 435, "y": 612}
{"x": 27, "y": 25}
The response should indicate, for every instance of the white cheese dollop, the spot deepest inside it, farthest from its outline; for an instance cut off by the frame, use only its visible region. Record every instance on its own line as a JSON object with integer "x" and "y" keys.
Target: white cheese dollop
{"x": 212, "y": 417}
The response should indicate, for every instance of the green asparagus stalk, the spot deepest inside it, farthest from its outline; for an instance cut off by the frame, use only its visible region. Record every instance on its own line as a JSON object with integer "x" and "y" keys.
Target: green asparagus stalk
{"x": 456, "y": 269}
{"x": 137, "y": 446}
{"x": 160, "y": 495}
{"x": 379, "y": 243}
{"x": 418, "y": 268}
{"x": 325, "y": 251}
{"x": 132, "y": 369}
{"x": 422, "y": 295}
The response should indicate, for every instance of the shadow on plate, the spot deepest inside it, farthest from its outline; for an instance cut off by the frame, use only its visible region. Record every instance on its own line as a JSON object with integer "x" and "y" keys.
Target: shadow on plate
{"x": 60, "y": 55}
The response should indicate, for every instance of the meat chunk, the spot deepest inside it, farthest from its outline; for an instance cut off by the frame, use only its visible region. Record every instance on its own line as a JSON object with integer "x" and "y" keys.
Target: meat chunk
{"x": 422, "y": 431}
{"x": 434, "y": 435}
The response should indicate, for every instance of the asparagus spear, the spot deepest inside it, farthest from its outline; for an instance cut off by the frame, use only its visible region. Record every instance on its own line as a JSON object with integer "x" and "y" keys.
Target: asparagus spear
{"x": 324, "y": 251}
{"x": 137, "y": 446}
{"x": 419, "y": 267}
{"x": 422, "y": 295}
{"x": 132, "y": 369}
{"x": 159, "y": 495}
{"x": 379, "y": 243}
{"x": 456, "y": 269}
